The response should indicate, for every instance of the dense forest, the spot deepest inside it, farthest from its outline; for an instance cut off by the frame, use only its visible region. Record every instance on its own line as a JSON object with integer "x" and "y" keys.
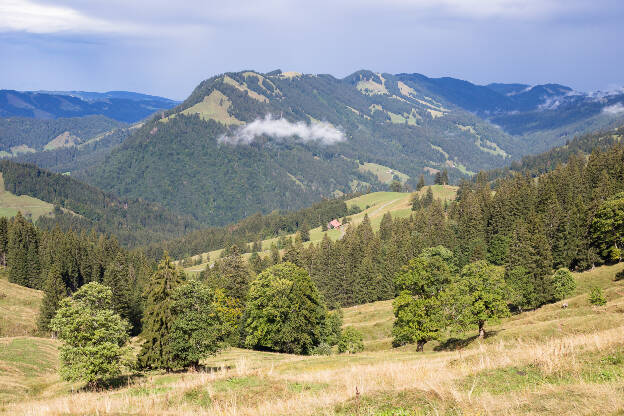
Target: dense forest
{"x": 134, "y": 222}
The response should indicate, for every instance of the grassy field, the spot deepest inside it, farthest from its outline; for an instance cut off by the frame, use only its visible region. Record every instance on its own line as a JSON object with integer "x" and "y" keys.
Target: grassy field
{"x": 383, "y": 173}
{"x": 551, "y": 361}
{"x": 10, "y": 204}
{"x": 18, "y": 308}
{"x": 375, "y": 205}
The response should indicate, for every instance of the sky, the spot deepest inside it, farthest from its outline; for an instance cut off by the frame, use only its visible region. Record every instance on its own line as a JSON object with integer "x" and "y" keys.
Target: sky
{"x": 166, "y": 48}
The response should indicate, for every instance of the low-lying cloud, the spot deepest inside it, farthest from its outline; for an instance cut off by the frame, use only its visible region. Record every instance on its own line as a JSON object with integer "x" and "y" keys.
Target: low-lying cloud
{"x": 280, "y": 129}
{"x": 614, "y": 109}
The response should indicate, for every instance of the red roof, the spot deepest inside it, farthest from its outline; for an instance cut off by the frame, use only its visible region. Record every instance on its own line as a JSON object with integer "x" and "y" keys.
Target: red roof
{"x": 335, "y": 223}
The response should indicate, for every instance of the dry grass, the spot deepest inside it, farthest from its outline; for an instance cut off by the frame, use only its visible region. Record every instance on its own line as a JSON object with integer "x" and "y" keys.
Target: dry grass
{"x": 551, "y": 361}
{"x": 19, "y": 307}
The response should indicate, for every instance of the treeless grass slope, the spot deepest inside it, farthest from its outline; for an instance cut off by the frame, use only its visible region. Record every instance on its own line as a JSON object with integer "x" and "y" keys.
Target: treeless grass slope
{"x": 19, "y": 307}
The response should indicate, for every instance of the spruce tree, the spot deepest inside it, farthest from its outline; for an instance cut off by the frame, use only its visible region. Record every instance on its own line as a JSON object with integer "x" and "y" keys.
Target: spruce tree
{"x": 23, "y": 253}
{"x": 54, "y": 290}
{"x": 156, "y": 351}
{"x": 304, "y": 231}
{"x": 4, "y": 239}
{"x": 421, "y": 183}
{"x": 230, "y": 274}
{"x": 118, "y": 278}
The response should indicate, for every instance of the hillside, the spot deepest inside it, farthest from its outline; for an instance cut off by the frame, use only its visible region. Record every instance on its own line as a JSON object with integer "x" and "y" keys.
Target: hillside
{"x": 374, "y": 205}
{"x": 252, "y": 142}
{"x": 550, "y": 361}
{"x": 84, "y": 207}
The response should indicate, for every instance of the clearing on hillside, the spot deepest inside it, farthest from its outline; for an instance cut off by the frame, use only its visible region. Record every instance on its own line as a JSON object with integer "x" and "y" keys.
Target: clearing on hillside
{"x": 19, "y": 308}
{"x": 30, "y": 207}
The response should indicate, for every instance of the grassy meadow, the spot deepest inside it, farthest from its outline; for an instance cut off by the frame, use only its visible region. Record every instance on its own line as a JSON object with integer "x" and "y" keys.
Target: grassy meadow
{"x": 31, "y": 207}
{"x": 375, "y": 205}
{"x": 550, "y": 361}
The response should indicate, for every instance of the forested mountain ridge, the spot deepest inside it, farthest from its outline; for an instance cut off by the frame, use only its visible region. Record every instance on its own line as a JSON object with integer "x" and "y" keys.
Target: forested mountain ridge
{"x": 237, "y": 162}
{"x": 133, "y": 222}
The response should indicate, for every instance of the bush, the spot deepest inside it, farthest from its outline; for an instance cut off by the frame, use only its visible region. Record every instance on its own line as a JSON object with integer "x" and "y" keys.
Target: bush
{"x": 351, "y": 341}
{"x": 322, "y": 349}
{"x": 333, "y": 327}
{"x": 563, "y": 284}
{"x": 596, "y": 297}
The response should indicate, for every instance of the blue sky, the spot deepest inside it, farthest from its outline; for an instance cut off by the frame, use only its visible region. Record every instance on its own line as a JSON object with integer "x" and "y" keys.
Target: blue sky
{"x": 166, "y": 48}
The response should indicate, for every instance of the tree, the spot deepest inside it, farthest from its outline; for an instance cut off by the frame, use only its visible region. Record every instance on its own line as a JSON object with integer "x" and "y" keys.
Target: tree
{"x": 418, "y": 308}
{"x": 478, "y": 295}
{"x": 421, "y": 182}
{"x": 284, "y": 311}
{"x": 4, "y": 239}
{"x": 418, "y": 320}
{"x": 521, "y": 288}
{"x": 54, "y": 291}
{"x": 608, "y": 228}
{"x": 332, "y": 327}
{"x": 351, "y": 341}
{"x": 198, "y": 329}
{"x": 23, "y": 253}
{"x": 596, "y": 296}
{"x": 563, "y": 284}
{"x": 396, "y": 186}
{"x": 304, "y": 231}
{"x": 444, "y": 178}
{"x": 118, "y": 276}
{"x": 230, "y": 274}
{"x": 94, "y": 337}
{"x": 156, "y": 351}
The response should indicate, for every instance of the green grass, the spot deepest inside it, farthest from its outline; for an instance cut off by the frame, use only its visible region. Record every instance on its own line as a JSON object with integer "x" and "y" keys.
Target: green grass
{"x": 30, "y": 207}
{"x": 374, "y": 204}
{"x": 382, "y": 172}
{"x": 19, "y": 307}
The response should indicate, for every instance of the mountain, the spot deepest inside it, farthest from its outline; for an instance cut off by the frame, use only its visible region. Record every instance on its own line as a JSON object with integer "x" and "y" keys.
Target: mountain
{"x": 122, "y": 106}
{"x": 248, "y": 142}
{"x": 83, "y": 207}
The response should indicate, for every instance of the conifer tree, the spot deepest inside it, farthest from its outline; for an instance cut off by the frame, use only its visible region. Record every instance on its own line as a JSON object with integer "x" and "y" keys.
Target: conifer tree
{"x": 156, "y": 350}
{"x": 4, "y": 239}
{"x": 421, "y": 182}
{"x": 118, "y": 278}
{"x": 385, "y": 227}
{"x": 23, "y": 253}
{"x": 304, "y": 231}
{"x": 54, "y": 290}
{"x": 230, "y": 274}
{"x": 444, "y": 179}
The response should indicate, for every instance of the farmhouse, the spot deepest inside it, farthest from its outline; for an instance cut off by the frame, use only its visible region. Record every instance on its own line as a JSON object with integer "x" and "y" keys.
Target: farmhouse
{"x": 334, "y": 224}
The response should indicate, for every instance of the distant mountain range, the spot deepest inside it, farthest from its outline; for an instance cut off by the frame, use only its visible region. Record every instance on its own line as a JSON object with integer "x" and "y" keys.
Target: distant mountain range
{"x": 249, "y": 142}
{"x": 127, "y": 107}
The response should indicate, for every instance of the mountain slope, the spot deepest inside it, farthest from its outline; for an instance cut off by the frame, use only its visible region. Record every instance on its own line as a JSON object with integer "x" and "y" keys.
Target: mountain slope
{"x": 85, "y": 207}
{"x": 179, "y": 161}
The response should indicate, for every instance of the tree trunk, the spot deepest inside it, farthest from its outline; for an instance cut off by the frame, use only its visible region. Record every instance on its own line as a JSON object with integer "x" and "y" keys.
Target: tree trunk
{"x": 481, "y": 330}
{"x": 420, "y": 344}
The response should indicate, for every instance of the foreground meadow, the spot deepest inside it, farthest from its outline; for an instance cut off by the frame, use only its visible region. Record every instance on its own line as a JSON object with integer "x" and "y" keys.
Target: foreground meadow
{"x": 550, "y": 361}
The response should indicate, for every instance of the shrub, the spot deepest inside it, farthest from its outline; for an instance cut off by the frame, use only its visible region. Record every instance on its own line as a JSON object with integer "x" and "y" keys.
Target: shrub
{"x": 351, "y": 341}
{"x": 322, "y": 349}
{"x": 563, "y": 284}
{"x": 596, "y": 297}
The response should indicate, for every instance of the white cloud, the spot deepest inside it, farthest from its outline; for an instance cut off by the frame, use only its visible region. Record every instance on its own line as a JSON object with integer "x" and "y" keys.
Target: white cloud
{"x": 27, "y": 16}
{"x": 614, "y": 109}
{"x": 280, "y": 128}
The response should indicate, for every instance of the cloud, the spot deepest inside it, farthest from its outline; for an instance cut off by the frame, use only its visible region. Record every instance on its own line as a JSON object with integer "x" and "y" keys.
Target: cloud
{"x": 27, "y": 16}
{"x": 614, "y": 109}
{"x": 279, "y": 129}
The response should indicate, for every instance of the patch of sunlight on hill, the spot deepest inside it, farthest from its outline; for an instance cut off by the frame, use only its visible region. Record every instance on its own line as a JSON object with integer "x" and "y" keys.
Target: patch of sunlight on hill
{"x": 19, "y": 307}
{"x": 384, "y": 174}
{"x": 31, "y": 207}
{"x": 214, "y": 106}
